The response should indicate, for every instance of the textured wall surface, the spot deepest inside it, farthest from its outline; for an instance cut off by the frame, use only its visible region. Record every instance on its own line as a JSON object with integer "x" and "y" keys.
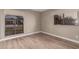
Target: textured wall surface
{"x": 68, "y": 31}
{"x": 31, "y": 20}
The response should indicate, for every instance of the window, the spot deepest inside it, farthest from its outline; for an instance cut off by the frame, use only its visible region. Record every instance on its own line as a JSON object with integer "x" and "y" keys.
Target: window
{"x": 13, "y": 24}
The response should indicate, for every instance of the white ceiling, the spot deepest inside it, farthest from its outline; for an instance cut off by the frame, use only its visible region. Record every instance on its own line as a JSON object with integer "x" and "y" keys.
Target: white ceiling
{"x": 39, "y": 10}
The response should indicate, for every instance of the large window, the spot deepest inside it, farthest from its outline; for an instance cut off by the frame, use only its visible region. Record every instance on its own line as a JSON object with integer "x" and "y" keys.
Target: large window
{"x": 13, "y": 25}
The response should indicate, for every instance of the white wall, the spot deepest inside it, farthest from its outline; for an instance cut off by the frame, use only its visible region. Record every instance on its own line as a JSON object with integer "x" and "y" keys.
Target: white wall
{"x": 1, "y": 23}
{"x": 31, "y": 20}
{"x": 67, "y": 31}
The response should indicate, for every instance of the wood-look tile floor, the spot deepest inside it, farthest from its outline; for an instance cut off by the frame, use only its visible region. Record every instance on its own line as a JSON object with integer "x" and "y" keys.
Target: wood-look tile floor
{"x": 38, "y": 41}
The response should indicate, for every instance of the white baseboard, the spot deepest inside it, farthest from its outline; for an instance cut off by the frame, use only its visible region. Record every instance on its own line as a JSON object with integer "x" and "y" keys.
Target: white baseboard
{"x": 61, "y": 37}
{"x": 21, "y": 35}
{"x": 18, "y": 35}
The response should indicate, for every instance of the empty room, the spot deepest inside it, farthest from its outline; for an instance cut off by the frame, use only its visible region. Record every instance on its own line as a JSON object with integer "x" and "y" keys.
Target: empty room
{"x": 39, "y": 28}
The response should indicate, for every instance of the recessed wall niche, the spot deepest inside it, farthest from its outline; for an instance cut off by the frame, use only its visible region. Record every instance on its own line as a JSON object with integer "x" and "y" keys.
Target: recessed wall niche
{"x": 13, "y": 24}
